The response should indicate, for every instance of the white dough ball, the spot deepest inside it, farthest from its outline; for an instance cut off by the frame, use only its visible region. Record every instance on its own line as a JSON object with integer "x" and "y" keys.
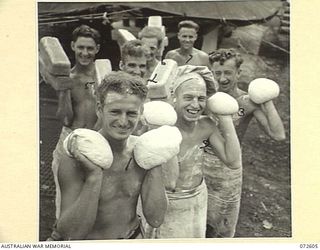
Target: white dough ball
{"x": 159, "y": 113}
{"x": 157, "y": 146}
{"x": 262, "y": 90}
{"x": 91, "y": 144}
{"x": 222, "y": 104}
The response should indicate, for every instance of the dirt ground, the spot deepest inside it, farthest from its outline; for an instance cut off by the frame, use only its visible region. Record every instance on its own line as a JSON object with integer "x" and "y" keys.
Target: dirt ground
{"x": 266, "y": 197}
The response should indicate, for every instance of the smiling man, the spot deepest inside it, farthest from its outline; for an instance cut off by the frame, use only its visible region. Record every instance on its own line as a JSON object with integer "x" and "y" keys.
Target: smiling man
{"x": 133, "y": 58}
{"x": 152, "y": 37}
{"x": 187, "y": 54}
{"x": 99, "y": 203}
{"x": 225, "y": 184}
{"x": 78, "y": 103}
{"x": 187, "y": 208}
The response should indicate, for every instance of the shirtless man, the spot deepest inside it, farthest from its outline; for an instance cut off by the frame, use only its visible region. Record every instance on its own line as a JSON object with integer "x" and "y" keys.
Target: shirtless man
{"x": 133, "y": 58}
{"x": 79, "y": 102}
{"x": 152, "y": 37}
{"x": 187, "y": 208}
{"x": 187, "y": 54}
{"x": 224, "y": 184}
{"x": 101, "y": 203}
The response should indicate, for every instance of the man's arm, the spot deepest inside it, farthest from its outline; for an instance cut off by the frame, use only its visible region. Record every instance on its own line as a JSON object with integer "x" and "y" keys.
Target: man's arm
{"x": 205, "y": 59}
{"x": 270, "y": 121}
{"x": 153, "y": 197}
{"x": 227, "y": 145}
{"x": 65, "y": 111}
{"x": 80, "y": 191}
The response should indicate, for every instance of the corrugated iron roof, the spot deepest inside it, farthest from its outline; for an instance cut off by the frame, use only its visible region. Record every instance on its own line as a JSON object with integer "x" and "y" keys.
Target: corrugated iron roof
{"x": 227, "y": 10}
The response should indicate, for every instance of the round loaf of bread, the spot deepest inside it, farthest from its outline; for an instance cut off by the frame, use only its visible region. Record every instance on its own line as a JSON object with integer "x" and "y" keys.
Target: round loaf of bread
{"x": 262, "y": 90}
{"x": 222, "y": 104}
{"x": 159, "y": 113}
{"x": 157, "y": 146}
{"x": 91, "y": 144}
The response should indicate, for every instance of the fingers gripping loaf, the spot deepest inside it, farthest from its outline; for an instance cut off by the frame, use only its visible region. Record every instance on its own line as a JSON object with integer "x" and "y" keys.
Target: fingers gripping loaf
{"x": 222, "y": 104}
{"x": 159, "y": 113}
{"x": 157, "y": 146}
{"x": 91, "y": 144}
{"x": 262, "y": 90}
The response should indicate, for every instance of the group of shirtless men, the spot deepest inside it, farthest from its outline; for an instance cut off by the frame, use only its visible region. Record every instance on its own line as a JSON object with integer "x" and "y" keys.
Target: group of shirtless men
{"x": 96, "y": 203}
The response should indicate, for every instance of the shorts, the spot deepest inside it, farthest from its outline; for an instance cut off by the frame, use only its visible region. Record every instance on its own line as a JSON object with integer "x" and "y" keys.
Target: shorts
{"x": 224, "y": 195}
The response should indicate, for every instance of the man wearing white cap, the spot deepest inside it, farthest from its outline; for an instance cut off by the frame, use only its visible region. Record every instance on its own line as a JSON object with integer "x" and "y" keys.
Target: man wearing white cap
{"x": 225, "y": 184}
{"x": 187, "y": 208}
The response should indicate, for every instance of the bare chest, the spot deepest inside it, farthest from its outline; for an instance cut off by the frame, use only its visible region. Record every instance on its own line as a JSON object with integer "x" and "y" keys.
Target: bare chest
{"x": 122, "y": 183}
{"x": 83, "y": 89}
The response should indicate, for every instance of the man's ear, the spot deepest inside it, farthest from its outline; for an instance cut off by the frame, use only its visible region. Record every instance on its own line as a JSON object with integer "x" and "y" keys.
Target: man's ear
{"x": 72, "y": 45}
{"x": 239, "y": 73}
{"x": 121, "y": 65}
{"x": 141, "y": 109}
{"x": 173, "y": 99}
{"x": 98, "y": 48}
{"x": 99, "y": 109}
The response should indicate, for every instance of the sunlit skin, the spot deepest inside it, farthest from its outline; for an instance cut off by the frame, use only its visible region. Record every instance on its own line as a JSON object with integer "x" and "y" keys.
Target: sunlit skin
{"x": 91, "y": 196}
{"x": 81, "y": 112}
{"x": 152, "y": 44}
{"x": 151, "y": 52}
{"x": 227, "y": 76}
{"x": 136, "y": 66}
{"x": 85, "y": 50}
{"x": 187, "y": 38}
{"x": 187, "y": 54}
{"x": 120, "y": 115}
{"x": 190, "y": 102}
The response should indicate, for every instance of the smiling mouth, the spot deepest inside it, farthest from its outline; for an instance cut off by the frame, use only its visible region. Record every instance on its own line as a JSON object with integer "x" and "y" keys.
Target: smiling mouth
{"x": 193, "y": 111}
{"x": 122, "y": 130}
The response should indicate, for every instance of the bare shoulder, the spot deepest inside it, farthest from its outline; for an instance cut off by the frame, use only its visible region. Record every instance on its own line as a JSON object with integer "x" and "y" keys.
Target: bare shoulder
{"x": 245, "y": 103}
{"x": 172, "y": 53}
{"x": 207, "y": 126}
{"x": 200, "y": 53}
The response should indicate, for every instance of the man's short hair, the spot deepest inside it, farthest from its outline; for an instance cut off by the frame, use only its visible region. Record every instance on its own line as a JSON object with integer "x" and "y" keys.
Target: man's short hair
{"x": 132, "y": 48}
{"x": 121, "y": 83}
{"x": 188, "y": 24}
{"x": 86, "y": 31}
{"x": 222, "y": 55}
{"x": 152, "y": 32}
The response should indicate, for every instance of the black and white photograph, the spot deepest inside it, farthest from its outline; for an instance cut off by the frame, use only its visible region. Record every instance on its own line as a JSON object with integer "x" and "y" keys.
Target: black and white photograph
{"x": 164, "y": 120}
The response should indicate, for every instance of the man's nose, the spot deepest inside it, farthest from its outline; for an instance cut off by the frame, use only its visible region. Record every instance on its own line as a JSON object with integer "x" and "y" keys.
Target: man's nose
{"x": 137, "y": 71}
{"x": 223, "y": 78}
{"x": 123, "y": 120}
{"x": 195, "y": 102}
{"x": 85, "y": 51}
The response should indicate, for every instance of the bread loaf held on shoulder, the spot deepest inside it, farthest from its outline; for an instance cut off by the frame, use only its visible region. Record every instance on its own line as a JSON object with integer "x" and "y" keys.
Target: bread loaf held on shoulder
{"x": 91, "y": 144}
